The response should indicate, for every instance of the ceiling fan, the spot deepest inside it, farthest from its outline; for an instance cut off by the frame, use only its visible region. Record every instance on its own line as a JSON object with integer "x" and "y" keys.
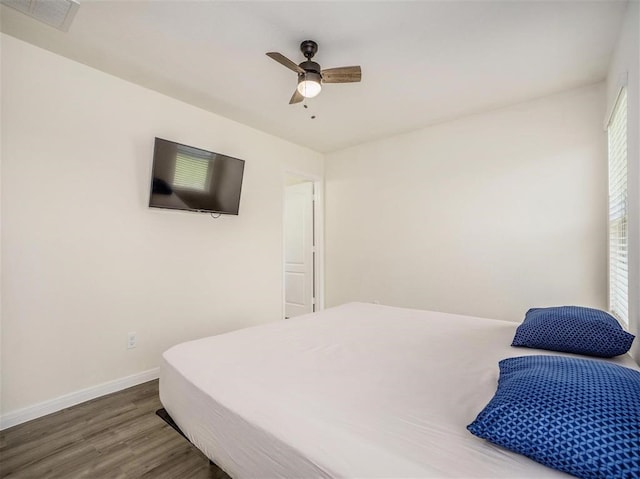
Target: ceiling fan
{"x": 310, "y": 76}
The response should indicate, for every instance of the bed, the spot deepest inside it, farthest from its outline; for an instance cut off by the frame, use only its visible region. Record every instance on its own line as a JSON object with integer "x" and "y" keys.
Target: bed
{"x": 359, "y": 390}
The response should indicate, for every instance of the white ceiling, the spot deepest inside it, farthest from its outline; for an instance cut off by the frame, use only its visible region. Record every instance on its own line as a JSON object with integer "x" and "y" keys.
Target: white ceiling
{"x": 422, "y": 62}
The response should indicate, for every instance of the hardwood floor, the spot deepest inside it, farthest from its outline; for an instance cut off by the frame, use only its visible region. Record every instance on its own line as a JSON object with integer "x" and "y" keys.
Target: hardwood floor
{"x": 115, "y": 436}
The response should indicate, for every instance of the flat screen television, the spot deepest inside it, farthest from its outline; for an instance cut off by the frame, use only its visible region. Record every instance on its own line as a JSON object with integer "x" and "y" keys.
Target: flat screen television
{"x": 191, "y": 179}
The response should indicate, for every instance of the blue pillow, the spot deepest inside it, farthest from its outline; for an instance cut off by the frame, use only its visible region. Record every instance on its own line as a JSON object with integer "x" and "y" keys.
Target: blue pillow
{"x": 573, "y": 329}
{"x": 580, "y": 416}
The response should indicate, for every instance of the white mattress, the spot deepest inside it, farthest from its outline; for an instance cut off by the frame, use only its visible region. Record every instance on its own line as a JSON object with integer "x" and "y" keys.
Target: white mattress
{"x": 360, "y": 390}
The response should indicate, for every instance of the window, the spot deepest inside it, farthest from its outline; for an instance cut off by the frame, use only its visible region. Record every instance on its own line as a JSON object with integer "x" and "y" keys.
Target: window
{"x": 192, "y": 169}
{"x": 618, "y": 212}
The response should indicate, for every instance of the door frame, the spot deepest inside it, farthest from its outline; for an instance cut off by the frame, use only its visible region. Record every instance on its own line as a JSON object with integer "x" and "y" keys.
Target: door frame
{"x": 318, "y": 236}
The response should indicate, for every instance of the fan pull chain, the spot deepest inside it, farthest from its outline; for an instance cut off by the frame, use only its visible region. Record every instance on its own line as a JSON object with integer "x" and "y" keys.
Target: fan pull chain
{"x": 313, "y": 117}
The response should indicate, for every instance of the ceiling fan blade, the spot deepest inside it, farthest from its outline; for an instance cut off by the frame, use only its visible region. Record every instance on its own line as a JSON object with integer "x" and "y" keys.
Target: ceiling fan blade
{"x": 342, "y": 75}
{"x": 296, "y": 97}
{"x": 280, "y": 58}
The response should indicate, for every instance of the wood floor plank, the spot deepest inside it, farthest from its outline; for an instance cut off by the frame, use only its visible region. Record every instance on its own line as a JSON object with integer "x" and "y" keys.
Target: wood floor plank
{"x": 117, "y": 436}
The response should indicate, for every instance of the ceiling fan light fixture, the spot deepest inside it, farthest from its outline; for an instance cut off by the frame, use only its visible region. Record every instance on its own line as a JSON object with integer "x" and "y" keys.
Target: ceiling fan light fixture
{"x": 310, "y": 75}
{"x": 309, "y": 84}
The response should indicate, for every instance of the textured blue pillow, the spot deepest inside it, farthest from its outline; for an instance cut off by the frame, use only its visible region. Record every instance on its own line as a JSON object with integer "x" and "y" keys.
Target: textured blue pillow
{"x": 580, "y": 416}
{"x": 573, "y": 329}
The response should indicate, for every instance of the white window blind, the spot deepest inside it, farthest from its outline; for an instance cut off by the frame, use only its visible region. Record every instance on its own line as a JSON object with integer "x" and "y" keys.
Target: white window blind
{"x": 618, "y": 214}
{"x": 191, "y": 172}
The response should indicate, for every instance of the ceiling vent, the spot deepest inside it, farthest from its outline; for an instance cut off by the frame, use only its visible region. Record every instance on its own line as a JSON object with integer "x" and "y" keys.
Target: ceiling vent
{"x": 57, "y": 13}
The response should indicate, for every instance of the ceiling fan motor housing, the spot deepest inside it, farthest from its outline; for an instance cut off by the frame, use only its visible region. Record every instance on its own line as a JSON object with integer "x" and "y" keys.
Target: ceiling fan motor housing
{"x": 310, "y": 66}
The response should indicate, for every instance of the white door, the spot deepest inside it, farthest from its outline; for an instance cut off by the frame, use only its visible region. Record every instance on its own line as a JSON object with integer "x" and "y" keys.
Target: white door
{"x": 298, "y": 255}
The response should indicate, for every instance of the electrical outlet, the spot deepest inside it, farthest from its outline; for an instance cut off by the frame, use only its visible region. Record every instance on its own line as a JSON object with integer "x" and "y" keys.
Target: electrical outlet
{"x": 132, "y": 340}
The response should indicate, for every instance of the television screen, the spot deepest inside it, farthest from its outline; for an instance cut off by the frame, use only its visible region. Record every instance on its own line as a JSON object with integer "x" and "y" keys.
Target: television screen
{"x": 188, "y": 178}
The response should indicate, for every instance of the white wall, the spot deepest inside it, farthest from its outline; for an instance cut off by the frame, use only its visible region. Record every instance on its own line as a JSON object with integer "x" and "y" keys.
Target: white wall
{"x": 625, "y": 62}
{"x": 1, "y": 156}
{"x": 84, "y": 260}
{"x": 488, "y": 215}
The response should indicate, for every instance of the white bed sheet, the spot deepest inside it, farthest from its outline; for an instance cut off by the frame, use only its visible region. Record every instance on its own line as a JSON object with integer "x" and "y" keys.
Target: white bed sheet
{"x": 359, "y": 390}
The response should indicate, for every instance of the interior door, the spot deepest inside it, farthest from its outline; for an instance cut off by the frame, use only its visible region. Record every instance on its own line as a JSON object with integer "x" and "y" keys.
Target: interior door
{"x": 299, "y": 260}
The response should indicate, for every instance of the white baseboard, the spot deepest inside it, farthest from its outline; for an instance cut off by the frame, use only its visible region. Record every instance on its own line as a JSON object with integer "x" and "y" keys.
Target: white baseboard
{"x": 53, "y": 405}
